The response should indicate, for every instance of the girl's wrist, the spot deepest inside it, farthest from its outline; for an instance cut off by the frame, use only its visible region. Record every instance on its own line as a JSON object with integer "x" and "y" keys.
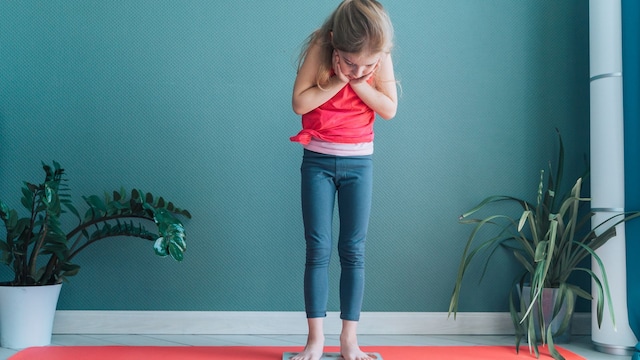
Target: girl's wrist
{"x": 358, "y": 82}
{"x": 339, "y": 81}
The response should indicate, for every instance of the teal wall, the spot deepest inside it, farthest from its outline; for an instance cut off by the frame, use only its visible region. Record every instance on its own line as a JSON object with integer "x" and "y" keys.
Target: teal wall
{"x": 191, "y": 100}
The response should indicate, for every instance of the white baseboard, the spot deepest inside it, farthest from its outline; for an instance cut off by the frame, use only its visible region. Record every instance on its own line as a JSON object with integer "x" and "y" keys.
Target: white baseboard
{"x": 275, "y": 323}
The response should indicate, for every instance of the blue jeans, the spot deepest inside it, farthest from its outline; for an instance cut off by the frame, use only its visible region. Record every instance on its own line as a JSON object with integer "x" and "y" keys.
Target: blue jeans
{"x": 351, "y": 177}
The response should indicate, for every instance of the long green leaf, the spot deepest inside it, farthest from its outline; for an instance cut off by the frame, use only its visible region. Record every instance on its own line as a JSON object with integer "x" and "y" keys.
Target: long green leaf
{"x": 493, "y": 199}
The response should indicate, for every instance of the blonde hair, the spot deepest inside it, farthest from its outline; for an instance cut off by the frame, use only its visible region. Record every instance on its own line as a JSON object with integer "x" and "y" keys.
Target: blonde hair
{"x": 358, "y": 26}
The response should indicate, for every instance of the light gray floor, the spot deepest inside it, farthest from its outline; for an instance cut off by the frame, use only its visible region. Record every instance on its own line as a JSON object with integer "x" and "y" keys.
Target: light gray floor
{"x": 579, "y": 345}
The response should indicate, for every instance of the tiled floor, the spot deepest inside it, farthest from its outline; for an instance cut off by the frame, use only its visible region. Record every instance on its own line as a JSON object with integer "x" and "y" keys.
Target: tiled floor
{"x": 579, "y": 345}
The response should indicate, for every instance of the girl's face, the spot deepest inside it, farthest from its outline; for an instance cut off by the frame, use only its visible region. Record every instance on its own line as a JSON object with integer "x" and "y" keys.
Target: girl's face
{"x": 357, "y": 65}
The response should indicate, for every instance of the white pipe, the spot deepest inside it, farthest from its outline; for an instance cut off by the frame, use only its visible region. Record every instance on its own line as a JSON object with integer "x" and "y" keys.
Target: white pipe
{"x": 607, "y": 168}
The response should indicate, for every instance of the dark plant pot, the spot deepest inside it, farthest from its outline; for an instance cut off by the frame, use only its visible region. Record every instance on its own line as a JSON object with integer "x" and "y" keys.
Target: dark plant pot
{"x": 548, "y": 300}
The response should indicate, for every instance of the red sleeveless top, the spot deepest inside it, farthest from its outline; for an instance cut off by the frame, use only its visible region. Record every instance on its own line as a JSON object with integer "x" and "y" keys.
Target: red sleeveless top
{"x": 344, "y": 118}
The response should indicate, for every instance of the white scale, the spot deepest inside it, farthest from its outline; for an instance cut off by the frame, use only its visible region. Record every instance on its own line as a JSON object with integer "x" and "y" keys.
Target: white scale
{"x": 329, "y": 356}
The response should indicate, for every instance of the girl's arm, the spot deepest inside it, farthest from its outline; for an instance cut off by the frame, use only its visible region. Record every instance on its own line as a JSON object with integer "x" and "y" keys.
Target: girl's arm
{"x": 384, "y": 101}
{"x": 306, "y": 93}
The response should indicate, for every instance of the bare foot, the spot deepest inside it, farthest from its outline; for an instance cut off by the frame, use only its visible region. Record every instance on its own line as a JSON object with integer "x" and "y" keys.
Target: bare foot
{"x": 350, "y": 350}
{"x": 313, "y": 350}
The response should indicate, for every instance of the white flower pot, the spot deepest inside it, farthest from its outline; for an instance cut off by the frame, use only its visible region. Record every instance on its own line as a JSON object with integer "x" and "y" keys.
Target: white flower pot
{"x": 26, "y": 315}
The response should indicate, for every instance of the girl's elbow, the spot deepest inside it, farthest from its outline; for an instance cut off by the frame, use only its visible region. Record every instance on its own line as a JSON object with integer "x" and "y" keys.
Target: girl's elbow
{"x": 298, "y": 108}
{"x": 389, "y": 114}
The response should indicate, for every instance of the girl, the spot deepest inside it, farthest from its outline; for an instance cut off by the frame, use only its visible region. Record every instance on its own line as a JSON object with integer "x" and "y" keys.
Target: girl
{"x": 345, "y": 77}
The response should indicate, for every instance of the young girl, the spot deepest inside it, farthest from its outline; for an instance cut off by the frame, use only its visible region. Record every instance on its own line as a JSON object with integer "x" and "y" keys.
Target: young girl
{"x": 345, "y": 77}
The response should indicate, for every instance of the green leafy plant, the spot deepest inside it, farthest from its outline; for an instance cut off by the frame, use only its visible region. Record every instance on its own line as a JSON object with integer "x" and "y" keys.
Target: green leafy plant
{"x": 40, "y": 253}
{"x": 550, "y": 239}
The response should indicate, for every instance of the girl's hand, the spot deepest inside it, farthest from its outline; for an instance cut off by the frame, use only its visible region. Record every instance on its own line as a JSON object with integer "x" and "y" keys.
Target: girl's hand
{"x": 336, "y": 68}
{"x": 365, "y": 78}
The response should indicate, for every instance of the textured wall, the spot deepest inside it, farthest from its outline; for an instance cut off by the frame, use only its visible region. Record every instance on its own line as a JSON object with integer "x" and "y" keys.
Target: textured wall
{"x": 191, "y": 100}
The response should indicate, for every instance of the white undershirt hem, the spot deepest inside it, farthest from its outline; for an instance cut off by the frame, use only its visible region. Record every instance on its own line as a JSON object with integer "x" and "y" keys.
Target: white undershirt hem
{"x": 340, "y": 149}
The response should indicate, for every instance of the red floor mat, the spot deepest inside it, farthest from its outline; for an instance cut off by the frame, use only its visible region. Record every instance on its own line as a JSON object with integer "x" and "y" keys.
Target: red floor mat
{"x": 274, "y": 352}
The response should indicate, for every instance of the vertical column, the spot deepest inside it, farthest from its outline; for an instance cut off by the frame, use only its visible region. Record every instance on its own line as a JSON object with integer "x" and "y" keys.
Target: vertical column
{"x": 607, "y": 166}
{"x": 631, "y": 97}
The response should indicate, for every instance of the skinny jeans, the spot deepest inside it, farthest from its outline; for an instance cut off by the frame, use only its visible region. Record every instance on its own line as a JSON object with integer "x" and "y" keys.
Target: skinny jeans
{"x": 351, "y": 178}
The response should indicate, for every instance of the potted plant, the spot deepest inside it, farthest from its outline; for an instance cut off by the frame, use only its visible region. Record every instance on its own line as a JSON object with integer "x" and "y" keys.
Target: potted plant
{"x": 549, "y": 239}
{"x": 40, "y": 253}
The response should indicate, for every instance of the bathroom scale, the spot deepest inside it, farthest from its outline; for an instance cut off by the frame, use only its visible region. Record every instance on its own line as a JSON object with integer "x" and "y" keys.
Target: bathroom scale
{"x": 329, "y": 356}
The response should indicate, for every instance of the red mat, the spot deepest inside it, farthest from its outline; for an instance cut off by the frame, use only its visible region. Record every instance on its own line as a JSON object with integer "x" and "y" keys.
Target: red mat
{"x": 274, "y": 352}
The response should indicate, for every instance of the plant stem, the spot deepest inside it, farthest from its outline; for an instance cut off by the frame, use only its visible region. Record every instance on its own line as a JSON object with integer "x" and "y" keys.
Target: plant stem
{"x": 49, "y": 270}
{"x": 29, "y": 234}
{"x": 38, "y": 245}
{"x": 78, "y": 231}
